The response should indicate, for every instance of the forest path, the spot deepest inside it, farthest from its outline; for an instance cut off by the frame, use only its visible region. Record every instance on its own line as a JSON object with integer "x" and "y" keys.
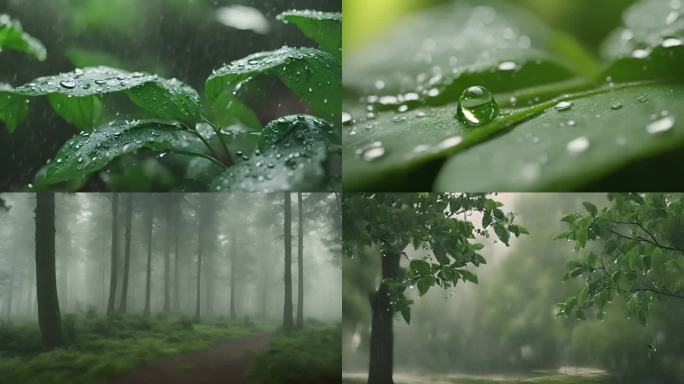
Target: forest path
{"x": 224, "y": 363}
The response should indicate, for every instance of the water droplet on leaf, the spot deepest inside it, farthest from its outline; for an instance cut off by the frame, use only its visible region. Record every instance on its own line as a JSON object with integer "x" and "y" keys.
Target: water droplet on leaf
{"x": 477, "y": 106}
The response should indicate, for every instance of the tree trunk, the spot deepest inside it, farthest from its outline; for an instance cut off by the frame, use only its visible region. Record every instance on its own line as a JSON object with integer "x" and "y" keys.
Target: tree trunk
{"x": 300, "y": 263}
{"x": 200, "y": 243}
{"x": 167, "y": 267}
{"x": 49, "y": 317}
{"x": 287, "y": 306}
{"x": 127, "y": 253}
{"x": 233, "y": 274}
{"x": 176, "y": 260}
{"x": 148, "y": 283}
{"x": 10, "y": 288}
{"x": 382, "y": 337}
{"x": 115, "y": 255}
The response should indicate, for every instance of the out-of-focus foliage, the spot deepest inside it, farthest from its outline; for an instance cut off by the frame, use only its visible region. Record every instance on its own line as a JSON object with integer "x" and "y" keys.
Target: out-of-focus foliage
{"x": 13, "y": 37}
{"x": 633, "y": 248}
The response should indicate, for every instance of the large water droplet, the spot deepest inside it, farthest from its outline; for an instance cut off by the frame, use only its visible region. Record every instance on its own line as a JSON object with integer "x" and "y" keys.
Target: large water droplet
{"x": 508, "y": 66}
{"x": 579, "y": 145}
{"x": 563, "y": 106}
{"x": 346, "y": 118}
{"x": 67, "y": 84}
{"x": 372, "y": 152}
{"x": 477, "y": 106}
{"x": 661, "y": 126}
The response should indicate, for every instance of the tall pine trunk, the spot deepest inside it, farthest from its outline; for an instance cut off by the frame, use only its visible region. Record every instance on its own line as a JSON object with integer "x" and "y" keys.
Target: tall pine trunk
{"x": 300, "y": 263}
{"x": 49, "y": 317}
{"x": 382, "y": 337}
{"x": 176, "y": 260}
{"x": 288, "y": 322}
{"x": 127, "y": 254}
{"x": 233, "y": 274}
{"x": 148, "y": 282}
{"x": 111, "y": 303}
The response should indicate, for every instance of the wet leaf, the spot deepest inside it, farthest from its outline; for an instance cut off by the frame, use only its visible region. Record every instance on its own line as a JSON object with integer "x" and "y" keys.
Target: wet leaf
{"x": 13, "y": 108}
{"x": 12, "y": 36}
{"x": 325, "y": 28}
{"x": 89, "y": 152}
{"x": 162, "y": 98}
{"x": 559, "y": 155}
{"x": 296, "y": 153}
{"x": 311, "y": 74}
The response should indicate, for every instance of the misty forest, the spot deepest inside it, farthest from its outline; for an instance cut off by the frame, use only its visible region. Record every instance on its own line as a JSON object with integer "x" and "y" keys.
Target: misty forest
{"x": 513, "y": 288}
{"x": 170, "y": 288}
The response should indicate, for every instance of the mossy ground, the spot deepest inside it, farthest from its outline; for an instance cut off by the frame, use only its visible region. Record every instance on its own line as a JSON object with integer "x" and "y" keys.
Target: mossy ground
{"x": 99, "y": 349}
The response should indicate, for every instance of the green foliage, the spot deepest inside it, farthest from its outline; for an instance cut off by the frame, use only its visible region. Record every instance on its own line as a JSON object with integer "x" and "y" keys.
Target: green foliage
{"x": 307, "y": 356}
{"x": 634, "y": 248}
{"x": 392, "y": 222}
{"x": 294, "y": 153}
{"x": 293, "y": 158}
{"x": 102, "y": 349}
{"x": 325, "y": 28}
{"x": 13, "y": 37}
{"x": 412, "y": 78}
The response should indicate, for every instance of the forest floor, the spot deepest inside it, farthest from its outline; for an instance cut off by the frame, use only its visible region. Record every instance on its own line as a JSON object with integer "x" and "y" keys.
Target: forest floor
{"x": 226, "y": 362}
{"x": 574, "y": 377}
{"x": 99, "y": 350}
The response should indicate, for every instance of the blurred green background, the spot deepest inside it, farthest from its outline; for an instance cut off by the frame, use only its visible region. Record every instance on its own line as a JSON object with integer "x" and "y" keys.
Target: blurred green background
{"x": 185, "y": 39}
{"x": 588, "y": 20}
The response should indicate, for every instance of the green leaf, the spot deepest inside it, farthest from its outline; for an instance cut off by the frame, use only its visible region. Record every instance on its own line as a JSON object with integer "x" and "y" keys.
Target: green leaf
{"x": 466, "y": 275}
{"x": 83, "y": 112}
{"x": 13, "y": 108}
{"x": 570, "y": 218}
{"x": 647, "y": 24}
{"x": 89, "y": 152}
{"x": 420, "y": 267}
{"x": 501, "y": 233}
{"x": 297, "y": 153}
{"x": 12, "y": 36}
{"x": 476, "y": 246}
{"x": 311, "y": 74}
{"x": 547, "y": 154}
{"x": 591, "y": 208}
{"x": 406, "y": 314}
{"x": 162, "y": 98}
{"x": 325, "y": 28}
{"x": 424, "y": 284}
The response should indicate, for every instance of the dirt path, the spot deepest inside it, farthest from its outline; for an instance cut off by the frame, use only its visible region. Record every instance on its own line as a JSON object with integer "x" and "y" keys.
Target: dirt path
{"x": 226, "y": 363}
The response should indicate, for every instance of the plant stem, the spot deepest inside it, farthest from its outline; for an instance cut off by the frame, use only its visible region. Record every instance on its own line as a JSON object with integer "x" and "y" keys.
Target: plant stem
{"x": 206, "y": 143}
{"x": 229, "y": 157}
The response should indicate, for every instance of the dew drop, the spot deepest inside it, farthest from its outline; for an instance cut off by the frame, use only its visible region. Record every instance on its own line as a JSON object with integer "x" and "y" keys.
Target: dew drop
{"x": 616, "y": 106}
{"x": 661, "y": 126}
{"x": 579, "y": 145}
{"x": 508, "y": 66}
{"x": 372, "y": 152}
{"x": 477, "y": 106}
{"x": 563, "y": 106}
{"x": 346, "y": 118}
{"x": 671, "y": 42}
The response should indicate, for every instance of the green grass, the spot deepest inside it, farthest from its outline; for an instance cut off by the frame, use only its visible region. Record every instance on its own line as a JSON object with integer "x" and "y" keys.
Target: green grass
{"x": 100, "y": 349}
{"x": 309, "y": 356}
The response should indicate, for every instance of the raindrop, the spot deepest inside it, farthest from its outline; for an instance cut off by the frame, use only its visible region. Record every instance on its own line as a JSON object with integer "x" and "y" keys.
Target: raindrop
{"x": 346, "y": 118}
{"x": 661, "y": 126}
{"x": 450, "y": 143}
{"x": 477, "y": 106}
{"x": 579, "y": 145}
{"x": 640, "y": 53}
{"x": 372, "y": 152}
{"x": 616, "y": 105}
{"x": 563, "y": 106}
{"x": 508, "y": 66}
{"x": 67, "y": 84}
{"x": 572, "y": 123}
{"x": 671, "y": 42}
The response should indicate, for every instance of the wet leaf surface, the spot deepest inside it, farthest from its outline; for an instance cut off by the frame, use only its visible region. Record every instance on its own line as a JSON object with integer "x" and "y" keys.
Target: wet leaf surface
{"x": 295, "y": 153}
{"x": 325, "y": 28}
{"x": 13, "y": 37}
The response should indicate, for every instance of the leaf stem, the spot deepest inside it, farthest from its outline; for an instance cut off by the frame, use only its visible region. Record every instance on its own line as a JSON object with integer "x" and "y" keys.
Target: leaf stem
{"x": 229, "y": 157}
{"x": 206, "y": 143}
